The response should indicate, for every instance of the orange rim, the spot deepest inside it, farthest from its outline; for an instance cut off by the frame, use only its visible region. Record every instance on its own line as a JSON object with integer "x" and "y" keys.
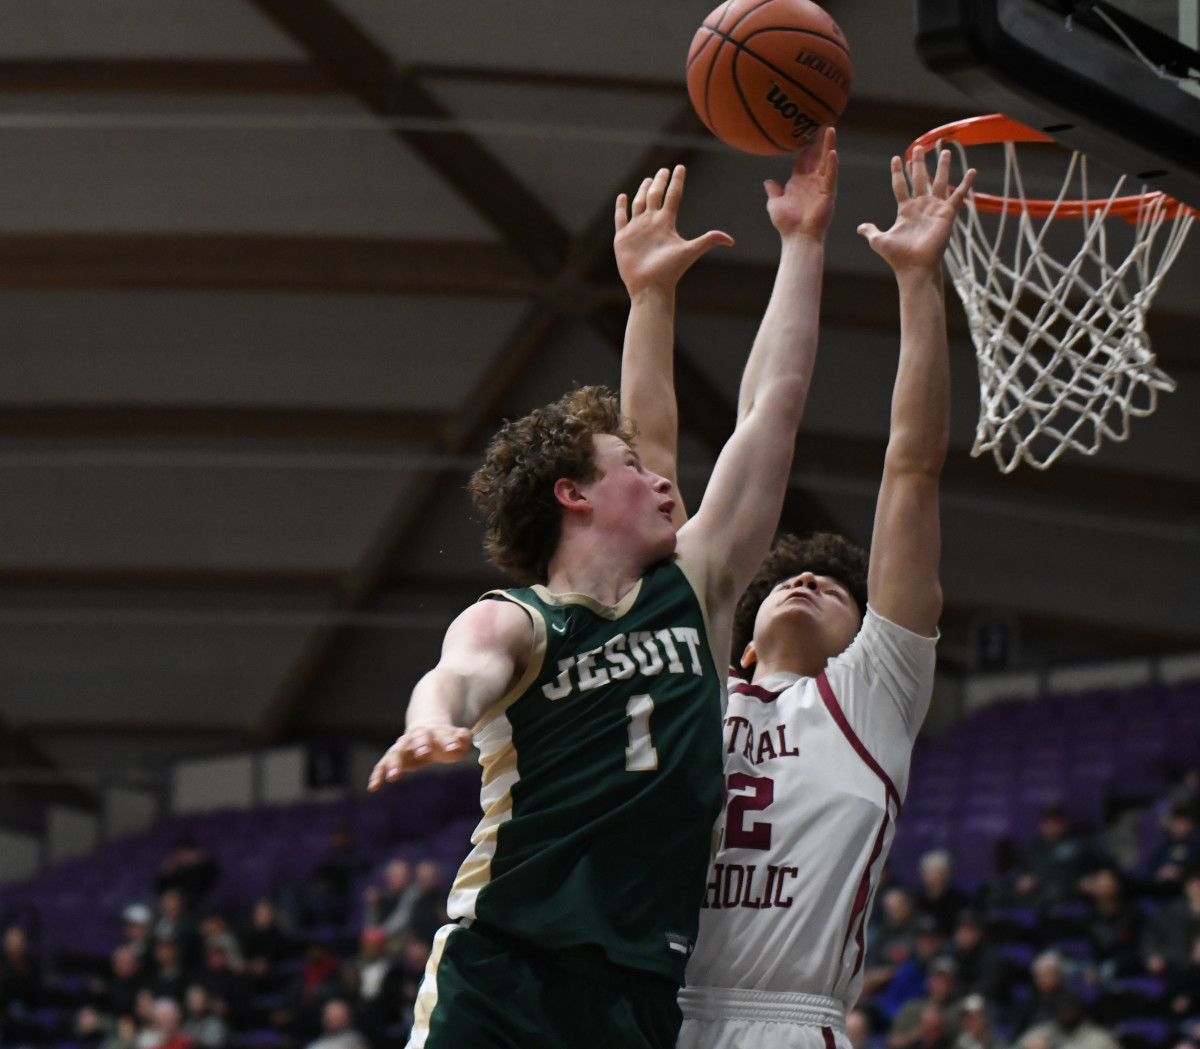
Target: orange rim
{"x": 998, "y": 129}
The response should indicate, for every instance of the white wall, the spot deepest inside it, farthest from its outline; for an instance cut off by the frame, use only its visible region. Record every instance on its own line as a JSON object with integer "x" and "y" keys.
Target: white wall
{"x": 70, "y": 833}
{"x": 213, "y": 783}
{"x": 20, "y": 856}
{"x": 128, "y": 812}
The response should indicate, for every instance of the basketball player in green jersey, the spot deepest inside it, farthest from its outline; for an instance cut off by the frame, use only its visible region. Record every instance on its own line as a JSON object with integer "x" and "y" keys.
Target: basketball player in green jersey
{"x": 594, "y": 694}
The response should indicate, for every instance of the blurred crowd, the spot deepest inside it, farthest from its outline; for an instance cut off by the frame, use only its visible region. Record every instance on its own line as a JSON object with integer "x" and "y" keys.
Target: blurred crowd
{"x": 1063, "y": 947}
{"x": 317, "y": 966}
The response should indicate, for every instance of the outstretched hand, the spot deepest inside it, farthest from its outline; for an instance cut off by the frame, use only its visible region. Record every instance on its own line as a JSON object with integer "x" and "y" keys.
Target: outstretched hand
{"x": 420, "y": 746}
{"x": 805, "y": 205}
{"x": 924, "y": 215}
{"x": 650, "y": 252}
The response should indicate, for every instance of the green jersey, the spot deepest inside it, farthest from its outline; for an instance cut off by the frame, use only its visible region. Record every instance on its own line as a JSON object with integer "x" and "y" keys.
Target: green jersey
{"x": 602, "y": 777}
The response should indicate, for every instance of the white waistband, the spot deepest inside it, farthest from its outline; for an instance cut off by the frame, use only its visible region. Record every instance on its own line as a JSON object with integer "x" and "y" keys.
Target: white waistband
{"x": 729, "y": 1003}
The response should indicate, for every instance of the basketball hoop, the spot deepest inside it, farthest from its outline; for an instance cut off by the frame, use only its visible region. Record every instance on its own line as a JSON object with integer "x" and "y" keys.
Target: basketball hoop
{"x": 1064, "y": 358}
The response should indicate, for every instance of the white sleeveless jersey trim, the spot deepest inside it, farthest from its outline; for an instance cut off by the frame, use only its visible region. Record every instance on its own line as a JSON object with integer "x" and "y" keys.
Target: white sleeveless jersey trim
{"x": 816, "y": 773}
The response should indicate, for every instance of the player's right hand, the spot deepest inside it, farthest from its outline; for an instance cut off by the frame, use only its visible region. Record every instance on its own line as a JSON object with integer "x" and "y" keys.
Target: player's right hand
{"x": 419, "y": 746}
{"x": 649, "y": 250}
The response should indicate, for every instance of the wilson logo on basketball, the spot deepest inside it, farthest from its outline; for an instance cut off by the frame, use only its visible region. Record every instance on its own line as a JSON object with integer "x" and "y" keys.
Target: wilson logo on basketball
{"x": 833, "y": 73}
{"x": 803, "y": 126}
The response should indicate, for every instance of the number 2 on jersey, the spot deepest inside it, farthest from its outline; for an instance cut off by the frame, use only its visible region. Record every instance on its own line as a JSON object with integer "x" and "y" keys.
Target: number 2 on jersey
{"x": 762, "y": 793}
{"x": 640, "y": 755}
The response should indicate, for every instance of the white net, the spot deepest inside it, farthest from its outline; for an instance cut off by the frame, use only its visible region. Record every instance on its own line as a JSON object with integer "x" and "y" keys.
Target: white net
{"x": 1064, "y": 358}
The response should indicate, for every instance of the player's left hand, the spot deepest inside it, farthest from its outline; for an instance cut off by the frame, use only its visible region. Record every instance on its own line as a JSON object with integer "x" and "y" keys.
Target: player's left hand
{"x": 421, "y": 745}
{"x": 804, "y": 206}
{"x": 650, "y": 252}
{"x": 924, "y": 214}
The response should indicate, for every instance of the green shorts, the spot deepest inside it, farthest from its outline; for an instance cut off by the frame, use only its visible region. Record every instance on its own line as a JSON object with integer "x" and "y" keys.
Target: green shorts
{"x": 483, "y": 990}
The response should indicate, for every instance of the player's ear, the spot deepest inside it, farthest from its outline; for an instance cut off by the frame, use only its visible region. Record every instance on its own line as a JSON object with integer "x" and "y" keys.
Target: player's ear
{"x": 749, "y": 656}
{"x": 570, "y": 495}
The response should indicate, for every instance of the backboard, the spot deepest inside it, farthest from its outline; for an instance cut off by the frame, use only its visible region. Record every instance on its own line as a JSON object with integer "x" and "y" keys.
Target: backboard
{"x": 1118, "y": 80}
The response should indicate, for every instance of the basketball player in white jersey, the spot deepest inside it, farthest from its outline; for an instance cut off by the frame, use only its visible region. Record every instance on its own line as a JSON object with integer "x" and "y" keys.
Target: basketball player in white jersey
{"x": 841, "y": 658}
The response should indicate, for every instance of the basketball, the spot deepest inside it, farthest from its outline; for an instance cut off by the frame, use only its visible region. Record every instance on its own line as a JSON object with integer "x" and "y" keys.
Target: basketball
{"x": 764, "y": 75}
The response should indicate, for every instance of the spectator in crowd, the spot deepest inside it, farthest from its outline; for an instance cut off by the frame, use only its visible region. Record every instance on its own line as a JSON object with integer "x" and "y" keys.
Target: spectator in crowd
{"x": 931, "y": 1030}
{"x": 429, "y": 910}
{"x": 175, "y": 924}
{"x": 890, "y": 941}
{"x": 188, "y": 870}
{"x": 20, "y": 974}
{"x": 143, "y": 1013}
{"x": 116, "y": 995}
{"x": 90, "y": 1028}
{"x": 265, "y": 944}
{"x": 1069, "y": 1028}
{"x": 975, "y": 1025}
{"x": 909, "y": 980}
{"x": 410, "y": 967}
{"x": 373, "y": 981}
{"x": 979, "y": 967}
{"x": 200, "y": 1023}
{"x": 1167, "y": 942}
{"x": 215, "y": 932}
{"x": 165, "y": 1024}
{"x": 1114, "y": 925}
{"x": 317, "y": 982}
{"x": 1049, "y": 990}
{"x": 1179, "y": 849}
{"x": 909, "y": 1028}
{"x": 170, "y": 977}
{"x": 1000, "y": 890}
{"x": 1183, "y": 985}
{"x": 325, "y": 893}
{"x": 391, "y": 907}
{"x": 1186, "y": 791}
{"x": 137, "y": 921}
{"x": 937, "y": 896}
{"x": 1054, "y": 865}
{"x": 858, "y": 1029}
{"x": 123, "y": 1035}
{"x": 337, "y": 1030}
{"x": 228, "y": 990}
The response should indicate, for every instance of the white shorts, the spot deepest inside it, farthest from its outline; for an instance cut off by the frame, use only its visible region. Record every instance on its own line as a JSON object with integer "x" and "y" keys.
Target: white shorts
{"x": 720, "y": 1018}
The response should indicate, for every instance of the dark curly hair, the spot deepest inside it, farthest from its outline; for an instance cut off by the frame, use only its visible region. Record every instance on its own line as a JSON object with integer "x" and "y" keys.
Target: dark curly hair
{"x": 514, "y": 489}
{"x": 822, "y": 553}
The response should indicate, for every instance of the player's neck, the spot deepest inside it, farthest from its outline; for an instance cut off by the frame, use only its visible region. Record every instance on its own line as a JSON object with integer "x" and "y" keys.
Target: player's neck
{"x": 788, "y": 663}
{"x": 604, "y": 575}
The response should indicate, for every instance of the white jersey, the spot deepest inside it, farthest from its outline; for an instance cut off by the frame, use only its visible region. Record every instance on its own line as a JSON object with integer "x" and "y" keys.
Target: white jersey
{"x": 816, "y": 771}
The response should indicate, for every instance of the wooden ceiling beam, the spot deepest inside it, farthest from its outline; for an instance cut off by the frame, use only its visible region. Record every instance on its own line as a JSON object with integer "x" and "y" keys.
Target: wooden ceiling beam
{"x": 363, "y": 69}
{"x": 263, "y": 262}
{"x": 162, "y": 76}
{"x": 208, "y": 421}
{"x": 174, "y": 579}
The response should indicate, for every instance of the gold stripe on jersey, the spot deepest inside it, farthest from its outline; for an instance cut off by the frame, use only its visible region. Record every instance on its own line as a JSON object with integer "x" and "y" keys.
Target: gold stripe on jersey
{"x": 537, "y": 656}
{"x": 428, "y": 994}
{"x": 611, "y": 612}
{"x": 498, "y": 757}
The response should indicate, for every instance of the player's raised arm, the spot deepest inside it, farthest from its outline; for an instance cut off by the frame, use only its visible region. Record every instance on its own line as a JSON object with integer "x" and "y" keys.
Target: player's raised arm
{"x": 903, "y": 583}
{"x": 651, "y": 258}
{"x": 731, "y": 532}
{"x": 482, "y": 654}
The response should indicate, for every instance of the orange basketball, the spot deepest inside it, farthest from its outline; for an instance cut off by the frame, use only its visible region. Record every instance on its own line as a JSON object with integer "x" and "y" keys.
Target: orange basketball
{"x": 764, "y": 75}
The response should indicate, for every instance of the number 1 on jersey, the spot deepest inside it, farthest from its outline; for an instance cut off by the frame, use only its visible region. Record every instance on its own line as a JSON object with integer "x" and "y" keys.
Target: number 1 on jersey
{"x": 640, "y": 755}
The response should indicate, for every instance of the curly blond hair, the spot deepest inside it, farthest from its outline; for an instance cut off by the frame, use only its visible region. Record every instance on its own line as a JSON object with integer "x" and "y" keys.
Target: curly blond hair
{"x": 514, "y": 489}
{"x": 822, "y": 553}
